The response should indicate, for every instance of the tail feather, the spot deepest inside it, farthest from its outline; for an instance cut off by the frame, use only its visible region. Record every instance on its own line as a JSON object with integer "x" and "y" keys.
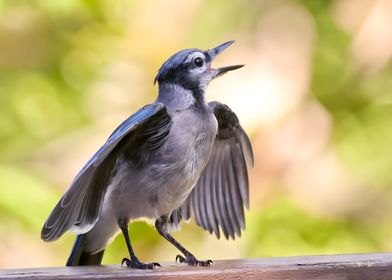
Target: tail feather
{"x": 79, "y": 257}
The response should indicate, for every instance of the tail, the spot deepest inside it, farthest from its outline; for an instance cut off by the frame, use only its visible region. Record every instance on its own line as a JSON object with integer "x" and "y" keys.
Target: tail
{"x": 78, "y": 257}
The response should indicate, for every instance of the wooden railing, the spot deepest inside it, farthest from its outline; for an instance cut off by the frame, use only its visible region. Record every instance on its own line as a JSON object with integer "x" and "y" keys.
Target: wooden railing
{"x": 357, "y": 266}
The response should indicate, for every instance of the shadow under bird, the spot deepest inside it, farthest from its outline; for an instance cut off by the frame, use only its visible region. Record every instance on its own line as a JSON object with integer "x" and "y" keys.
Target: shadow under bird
{"x": 177, "y": 158}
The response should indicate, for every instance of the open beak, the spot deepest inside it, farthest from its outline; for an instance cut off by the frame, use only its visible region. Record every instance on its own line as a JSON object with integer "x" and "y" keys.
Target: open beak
{"x": 214, "y": 53}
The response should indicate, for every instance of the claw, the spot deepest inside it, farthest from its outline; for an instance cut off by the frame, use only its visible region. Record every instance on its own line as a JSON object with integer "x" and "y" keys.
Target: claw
{"x": 180, "y": 259}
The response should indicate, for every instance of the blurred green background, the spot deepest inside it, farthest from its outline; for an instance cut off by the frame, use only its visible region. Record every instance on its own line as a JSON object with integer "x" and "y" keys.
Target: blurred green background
{"x": 315, "y": 97}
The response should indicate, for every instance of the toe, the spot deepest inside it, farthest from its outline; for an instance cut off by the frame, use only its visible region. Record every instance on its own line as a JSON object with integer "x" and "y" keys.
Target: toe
{"x": 151, "y": 265}
{"x": 191, "y": 260}
{"x": 138, "y": 264}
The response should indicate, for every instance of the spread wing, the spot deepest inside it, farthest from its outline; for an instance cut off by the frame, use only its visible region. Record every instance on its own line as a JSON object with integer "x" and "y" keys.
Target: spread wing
{"x": 79, "y": 207}
{"x": 218, "y": 199}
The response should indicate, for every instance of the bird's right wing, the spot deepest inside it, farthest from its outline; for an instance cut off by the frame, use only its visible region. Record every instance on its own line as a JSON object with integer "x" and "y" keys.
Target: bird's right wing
{"x": 80, "y": 205}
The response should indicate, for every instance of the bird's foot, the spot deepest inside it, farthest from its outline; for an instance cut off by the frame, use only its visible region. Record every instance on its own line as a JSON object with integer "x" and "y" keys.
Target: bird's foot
{"x": 138, "y": 264}
{"x": 191, "y": 260}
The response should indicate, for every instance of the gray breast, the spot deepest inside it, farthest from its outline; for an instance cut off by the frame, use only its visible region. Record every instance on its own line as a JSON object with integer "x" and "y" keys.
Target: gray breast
{"x": 163, "y": 185}
{"x": 187, "y": 152}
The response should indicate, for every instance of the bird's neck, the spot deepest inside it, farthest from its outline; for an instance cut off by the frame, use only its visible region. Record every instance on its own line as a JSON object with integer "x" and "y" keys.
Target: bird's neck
{"x": 175, "y": 97}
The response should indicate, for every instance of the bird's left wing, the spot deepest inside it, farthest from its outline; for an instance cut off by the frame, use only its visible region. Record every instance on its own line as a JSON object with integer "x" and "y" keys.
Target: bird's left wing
{"x": 79, "y": 207}
{"x": 218, "y": 199}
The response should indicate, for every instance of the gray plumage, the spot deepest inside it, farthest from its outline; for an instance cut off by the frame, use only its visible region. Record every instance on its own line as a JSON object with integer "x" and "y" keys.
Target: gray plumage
{"x": 174, "y": 159}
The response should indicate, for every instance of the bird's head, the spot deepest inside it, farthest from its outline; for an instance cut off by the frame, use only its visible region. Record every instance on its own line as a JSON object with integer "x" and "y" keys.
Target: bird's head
{"x": 191, "y": 68}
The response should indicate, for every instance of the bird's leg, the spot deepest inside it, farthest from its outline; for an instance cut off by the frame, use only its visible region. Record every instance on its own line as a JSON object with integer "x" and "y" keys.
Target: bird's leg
{"x": 133, "y": 261}
{"x": 189, "y": 258}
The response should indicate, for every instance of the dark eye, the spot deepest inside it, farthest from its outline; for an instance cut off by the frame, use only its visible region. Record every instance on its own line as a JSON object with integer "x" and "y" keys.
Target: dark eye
{"x": 198, "y": 61}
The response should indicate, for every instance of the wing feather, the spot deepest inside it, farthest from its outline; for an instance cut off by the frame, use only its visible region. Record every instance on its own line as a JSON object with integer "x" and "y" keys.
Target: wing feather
{"x": 80, "y": 206}
{"x": 217, "y": 202}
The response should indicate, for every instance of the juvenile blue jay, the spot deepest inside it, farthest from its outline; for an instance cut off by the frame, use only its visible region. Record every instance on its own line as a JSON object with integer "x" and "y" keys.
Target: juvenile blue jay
{"x": 176, "y": 158}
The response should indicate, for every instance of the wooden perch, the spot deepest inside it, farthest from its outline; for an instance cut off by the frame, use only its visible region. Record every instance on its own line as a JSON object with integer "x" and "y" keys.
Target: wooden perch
{"x": 356, "y": 266}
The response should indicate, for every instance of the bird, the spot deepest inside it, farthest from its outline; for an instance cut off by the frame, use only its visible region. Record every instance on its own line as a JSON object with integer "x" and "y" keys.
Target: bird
{"x": 177, "y": 158}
